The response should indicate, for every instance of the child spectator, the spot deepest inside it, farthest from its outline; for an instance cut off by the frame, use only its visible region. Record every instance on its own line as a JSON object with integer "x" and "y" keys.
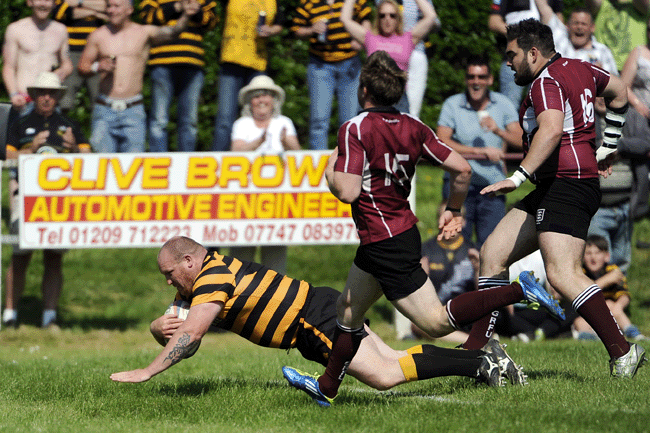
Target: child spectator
{"x": 613, "y": 283}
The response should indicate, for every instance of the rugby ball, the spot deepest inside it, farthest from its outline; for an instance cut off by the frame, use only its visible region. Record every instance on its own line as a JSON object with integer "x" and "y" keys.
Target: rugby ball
{"x": 179, "y": 308}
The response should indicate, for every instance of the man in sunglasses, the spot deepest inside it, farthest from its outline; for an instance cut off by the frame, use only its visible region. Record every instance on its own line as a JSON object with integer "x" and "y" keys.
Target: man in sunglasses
{"x": 480, "y": 124}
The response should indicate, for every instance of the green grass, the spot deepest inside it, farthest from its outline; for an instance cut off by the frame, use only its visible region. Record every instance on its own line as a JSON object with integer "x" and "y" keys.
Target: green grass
{"x": 52, "y": 384}
{"x": 55, "y": 382}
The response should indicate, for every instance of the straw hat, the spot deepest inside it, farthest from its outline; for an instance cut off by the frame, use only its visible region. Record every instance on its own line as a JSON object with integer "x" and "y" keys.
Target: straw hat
{"x": 261, "y": 82}
{"x": 47, "y": 80}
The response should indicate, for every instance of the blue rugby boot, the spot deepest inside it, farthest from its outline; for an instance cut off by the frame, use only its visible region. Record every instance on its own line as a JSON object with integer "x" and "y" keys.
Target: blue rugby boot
{"x": 308, "y": 383}
{"x": 536, "y": 294}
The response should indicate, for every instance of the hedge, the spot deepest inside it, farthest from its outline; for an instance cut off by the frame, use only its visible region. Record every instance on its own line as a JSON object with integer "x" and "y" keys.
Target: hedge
{"x": 464, "y": 31}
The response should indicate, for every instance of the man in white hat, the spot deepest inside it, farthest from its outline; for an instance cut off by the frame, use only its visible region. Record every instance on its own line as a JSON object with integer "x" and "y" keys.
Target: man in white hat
{"x": 262, "y": 128}
{"x": 43, "y": 130}
{"x": 33, "y": 45}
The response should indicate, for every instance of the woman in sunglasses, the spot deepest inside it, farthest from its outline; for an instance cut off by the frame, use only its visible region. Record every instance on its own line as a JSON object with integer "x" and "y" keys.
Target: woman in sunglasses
{"x": 388, "y": 34}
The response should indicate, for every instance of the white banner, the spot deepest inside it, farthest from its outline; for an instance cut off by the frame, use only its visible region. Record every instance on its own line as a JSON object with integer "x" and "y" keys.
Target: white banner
{"x": 216, "y": 198}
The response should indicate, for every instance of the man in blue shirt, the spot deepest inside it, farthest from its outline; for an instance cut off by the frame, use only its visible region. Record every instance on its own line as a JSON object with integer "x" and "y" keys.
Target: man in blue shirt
{"x": 480, "y": 124}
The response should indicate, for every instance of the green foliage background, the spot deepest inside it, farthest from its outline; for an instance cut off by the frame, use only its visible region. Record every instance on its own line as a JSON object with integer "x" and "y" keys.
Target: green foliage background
{"x": 464, "y": 31}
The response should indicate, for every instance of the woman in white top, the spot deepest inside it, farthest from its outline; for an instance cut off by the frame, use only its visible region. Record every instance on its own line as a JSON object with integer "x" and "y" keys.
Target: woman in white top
{"x": 261, "y": 128}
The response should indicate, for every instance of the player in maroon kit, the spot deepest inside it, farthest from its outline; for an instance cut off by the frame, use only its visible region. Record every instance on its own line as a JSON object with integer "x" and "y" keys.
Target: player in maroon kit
{"x": 372, "y": 169}
{"x": 557, "y": 117}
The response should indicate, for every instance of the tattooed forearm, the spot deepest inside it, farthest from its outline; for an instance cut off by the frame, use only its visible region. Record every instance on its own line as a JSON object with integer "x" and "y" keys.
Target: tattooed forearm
{"x": 166, "y": 33}
{"x": 183, "y": 349}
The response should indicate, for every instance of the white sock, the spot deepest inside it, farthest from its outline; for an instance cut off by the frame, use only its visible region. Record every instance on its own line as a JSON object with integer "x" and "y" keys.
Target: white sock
{"x": 49, "y": 316}
{"x": 9, "y": 314}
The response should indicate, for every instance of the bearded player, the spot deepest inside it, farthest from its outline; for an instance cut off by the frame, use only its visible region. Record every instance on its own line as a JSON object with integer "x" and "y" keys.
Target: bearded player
{"x": 561, "y": 159}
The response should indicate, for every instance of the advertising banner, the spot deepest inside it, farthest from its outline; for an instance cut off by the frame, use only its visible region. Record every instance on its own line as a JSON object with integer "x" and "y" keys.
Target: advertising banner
{"x": 216, "y": 198}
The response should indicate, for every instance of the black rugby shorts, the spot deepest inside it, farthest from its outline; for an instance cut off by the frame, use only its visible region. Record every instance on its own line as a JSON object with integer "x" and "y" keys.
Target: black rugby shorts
{"x": 395, "y": 263}
{"x": 563, "y": 205}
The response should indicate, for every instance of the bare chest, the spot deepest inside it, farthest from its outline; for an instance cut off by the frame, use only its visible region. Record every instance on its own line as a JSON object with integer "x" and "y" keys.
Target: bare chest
{"x": 40, "y": 42}
{"x": 133, "y": 42}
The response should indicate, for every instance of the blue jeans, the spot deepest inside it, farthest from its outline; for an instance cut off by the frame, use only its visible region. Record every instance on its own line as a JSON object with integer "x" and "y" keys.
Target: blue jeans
{"x": 118, "y": 131}
{"x": 185, "y": 83}
{"x": 323, "y": 79}
{"x": 231, "y": 79}
{"x": 614, "y": 224}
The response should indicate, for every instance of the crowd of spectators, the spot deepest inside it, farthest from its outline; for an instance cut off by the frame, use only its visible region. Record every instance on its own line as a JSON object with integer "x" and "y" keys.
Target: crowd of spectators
{"x": 97, "y": 45}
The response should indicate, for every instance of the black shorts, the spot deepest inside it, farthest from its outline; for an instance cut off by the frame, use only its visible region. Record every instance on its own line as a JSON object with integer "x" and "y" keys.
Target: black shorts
{"x": 314, "y": 341}
{"x": 395, "y": 263}
{"x": 563, "y": 205}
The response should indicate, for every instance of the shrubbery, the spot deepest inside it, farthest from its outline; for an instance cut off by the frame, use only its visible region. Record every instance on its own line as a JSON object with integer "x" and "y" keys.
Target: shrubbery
{"x": 464, "y": 31}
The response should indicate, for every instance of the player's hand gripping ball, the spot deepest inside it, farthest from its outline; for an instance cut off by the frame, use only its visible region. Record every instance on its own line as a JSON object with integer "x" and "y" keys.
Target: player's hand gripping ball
{"x": 181, "y": 309}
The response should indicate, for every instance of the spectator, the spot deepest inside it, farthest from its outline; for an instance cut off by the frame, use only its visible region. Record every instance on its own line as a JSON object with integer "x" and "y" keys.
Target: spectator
{"x": 481, "y": 123}
{"x": 576, "y": 39}
{"x": 636, "y": 135}
{"x": 635, "y": 145}
{"x": 25, "y": 55}
{"x": 118, "y": 120}
{"x": 636, "y": 74}
{"x": 619, "y": 25}
{"x": 33, "y": 45}
{"x": 418, "y": 63}
{"x": 613, "y": 219}
{"x": 176, "y": 71}
{"x": 243, "y": 57}
{"x": 44, "y": 130}
{"x": 334, "y": 65}
{"x": 81, "y": 18}
{"x": 614, "y": 286}
{"x": 507, "y": 12}
{"x": 262, "y": 128}
{"x": 388, "y": 33}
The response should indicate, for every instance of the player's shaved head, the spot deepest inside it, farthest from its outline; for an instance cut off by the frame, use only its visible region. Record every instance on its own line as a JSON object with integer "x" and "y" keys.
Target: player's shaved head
{"x": 179, "y": 246}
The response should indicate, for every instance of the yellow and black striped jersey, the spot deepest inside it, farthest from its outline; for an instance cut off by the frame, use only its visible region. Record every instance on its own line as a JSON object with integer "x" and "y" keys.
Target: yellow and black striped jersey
{"x": 187, "y": 49}
{"x": 338, "y": 45}
{"x": 259, "y": 304}
{"x": 613, "y": 291}
{"x": 22, "y": 132}
{"x": 78, "y": 28}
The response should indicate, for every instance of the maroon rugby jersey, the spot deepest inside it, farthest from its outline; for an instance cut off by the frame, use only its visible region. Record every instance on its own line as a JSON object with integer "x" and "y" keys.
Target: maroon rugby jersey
{"x": 383, "y": 146}
{"x": 571, "y": 86}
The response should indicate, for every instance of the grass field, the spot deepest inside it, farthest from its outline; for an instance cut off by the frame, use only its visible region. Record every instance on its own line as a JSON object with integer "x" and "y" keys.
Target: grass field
{"x": 55, "y": 382}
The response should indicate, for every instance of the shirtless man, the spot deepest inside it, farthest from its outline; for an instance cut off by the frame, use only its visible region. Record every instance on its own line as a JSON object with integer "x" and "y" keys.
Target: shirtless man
{"x": 118, "y": 51}
{"x": 33, "y": 45}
